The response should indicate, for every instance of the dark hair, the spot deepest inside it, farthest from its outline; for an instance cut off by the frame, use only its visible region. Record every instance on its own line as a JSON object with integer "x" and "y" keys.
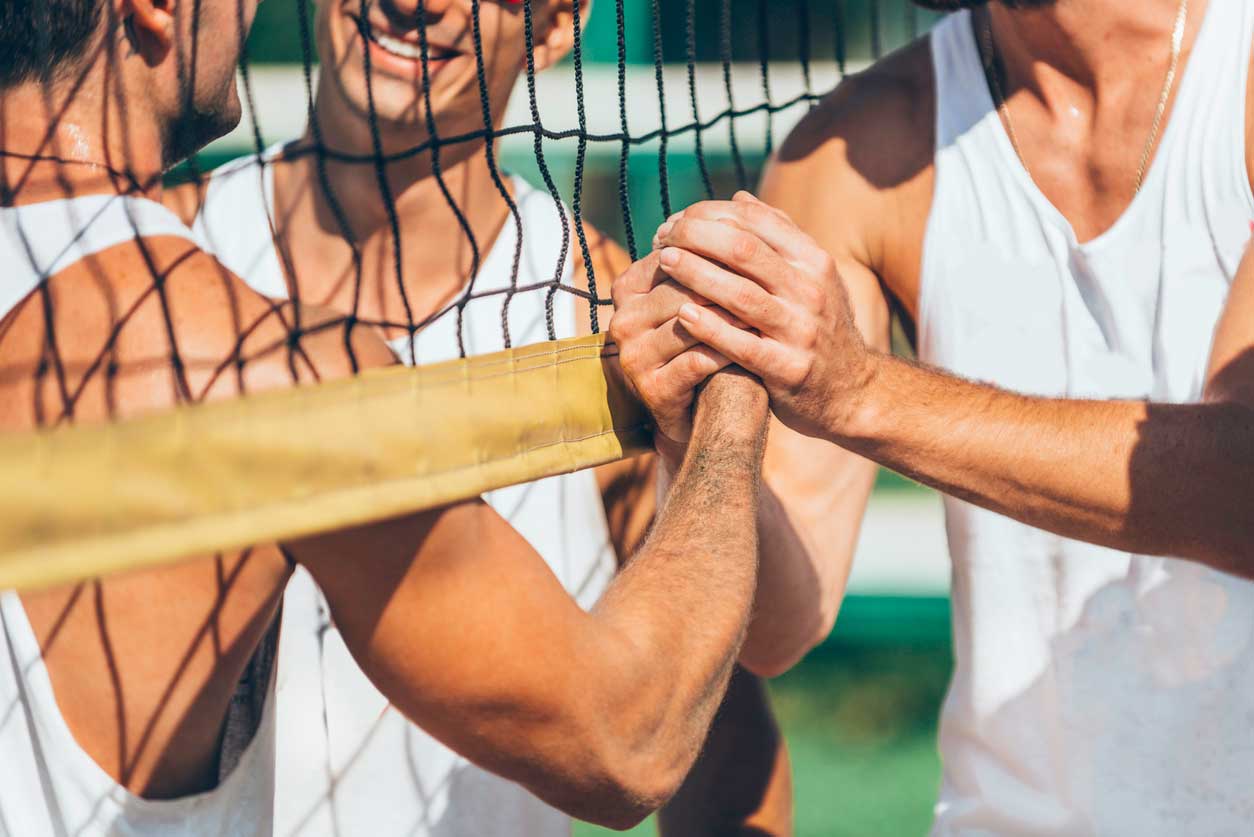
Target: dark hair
{"x": 38, "y": 38}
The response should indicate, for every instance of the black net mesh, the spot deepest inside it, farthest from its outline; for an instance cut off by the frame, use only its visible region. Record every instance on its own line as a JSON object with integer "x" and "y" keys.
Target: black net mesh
{"x": 687, "y": 101}
{"x": 581, "y": 127}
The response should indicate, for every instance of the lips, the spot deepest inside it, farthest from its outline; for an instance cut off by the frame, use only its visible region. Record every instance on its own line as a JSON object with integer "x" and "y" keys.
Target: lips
{"x": 405, "y": 48}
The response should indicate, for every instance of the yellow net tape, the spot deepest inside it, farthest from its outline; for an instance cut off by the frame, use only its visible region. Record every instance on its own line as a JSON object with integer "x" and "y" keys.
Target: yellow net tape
{"x": 86, "y": 501}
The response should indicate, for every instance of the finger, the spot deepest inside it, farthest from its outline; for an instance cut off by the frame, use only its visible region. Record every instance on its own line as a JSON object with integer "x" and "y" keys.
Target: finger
{"x": 741, "y": 297}
{"x": 664, "y": 301}
{"x": 740, "y": 251}
{"x": 754, "y": 353}
{"x": 661, "y": 345}
{"x": 686, "y": 371}
{"x": 638, "y": 279}
{"x": 666, "y": 341}
{"x": 770, "y": 224}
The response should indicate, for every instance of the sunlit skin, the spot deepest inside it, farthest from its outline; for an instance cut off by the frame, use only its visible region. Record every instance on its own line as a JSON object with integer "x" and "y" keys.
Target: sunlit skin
{"x": 370, "y": 76}
{"x": 144, "y": 664}
{"x": 1078, "y": 102}
{"x": 799, "y": 596}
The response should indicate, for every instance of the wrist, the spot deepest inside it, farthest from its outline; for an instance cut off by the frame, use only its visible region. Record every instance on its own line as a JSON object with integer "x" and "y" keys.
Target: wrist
{"x": 857, "y": 414}
{"x": 670, "y": 451}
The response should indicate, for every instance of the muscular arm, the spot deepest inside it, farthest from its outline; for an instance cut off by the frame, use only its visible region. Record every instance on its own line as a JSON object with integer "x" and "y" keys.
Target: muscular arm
{"x": 1149, "y": 478}
{"x": 601, "y": 714}
{"x": 819, "y": 492}
{"x": 869, "y": 188}
{"x": 741, "y": 779}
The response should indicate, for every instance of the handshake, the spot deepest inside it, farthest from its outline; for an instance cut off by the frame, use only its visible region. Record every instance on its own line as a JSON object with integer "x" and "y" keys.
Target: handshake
{"x": 737, "y": 283}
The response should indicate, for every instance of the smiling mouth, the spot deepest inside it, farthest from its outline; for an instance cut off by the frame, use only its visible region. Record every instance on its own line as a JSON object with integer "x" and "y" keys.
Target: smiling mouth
{"x": 407, "y": 50}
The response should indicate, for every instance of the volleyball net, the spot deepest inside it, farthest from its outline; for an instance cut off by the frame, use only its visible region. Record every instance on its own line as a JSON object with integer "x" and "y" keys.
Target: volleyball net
{"x": 656, "y": 105}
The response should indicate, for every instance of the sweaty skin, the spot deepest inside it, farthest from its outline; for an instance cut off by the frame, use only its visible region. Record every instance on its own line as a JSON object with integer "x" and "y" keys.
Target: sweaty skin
{"x": 1101, "y": 471}
{"x": 605, "y": 723}
{"x": 324, "y": 268}
{"x": 805, "y": 529}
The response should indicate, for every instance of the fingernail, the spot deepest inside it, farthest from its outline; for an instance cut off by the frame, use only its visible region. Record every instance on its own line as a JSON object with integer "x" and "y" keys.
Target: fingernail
{"x": 670, "y": 257}
{"x": 689, "y": 313}
{"x": 665, "y": 229}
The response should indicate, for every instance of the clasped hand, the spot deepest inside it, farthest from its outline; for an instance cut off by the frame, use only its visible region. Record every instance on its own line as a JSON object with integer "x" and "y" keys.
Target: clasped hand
{"x": 737, "y": 282}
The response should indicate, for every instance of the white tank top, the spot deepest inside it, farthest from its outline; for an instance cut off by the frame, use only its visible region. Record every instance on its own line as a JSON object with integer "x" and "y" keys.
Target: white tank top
{"x": 348, "y": 763}
{"x": 1095, "y": 692}
{"x": 49, "y": 785}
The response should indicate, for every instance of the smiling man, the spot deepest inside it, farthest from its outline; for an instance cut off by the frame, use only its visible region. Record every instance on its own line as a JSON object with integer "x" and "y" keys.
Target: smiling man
{"x": 297, "y": 226}
{"x": 116, "y": 693}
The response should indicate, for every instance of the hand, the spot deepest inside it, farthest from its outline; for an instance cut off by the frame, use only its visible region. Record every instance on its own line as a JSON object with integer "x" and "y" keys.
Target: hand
{"x": 796, "y": 328}
{"x": 662, "y": 362}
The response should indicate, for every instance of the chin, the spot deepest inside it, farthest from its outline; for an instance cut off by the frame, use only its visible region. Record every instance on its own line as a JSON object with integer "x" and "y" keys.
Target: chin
{"x": 199, "y": 126}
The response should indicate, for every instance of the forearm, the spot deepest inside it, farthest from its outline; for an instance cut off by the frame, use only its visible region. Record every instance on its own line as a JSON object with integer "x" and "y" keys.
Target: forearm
{"x": 741, "y": 783}
{"x": 1147, "y": 478}
{"x": 677, "y": 612}
{"x": 813, "y": 501}
{"x": 807, "y": 533}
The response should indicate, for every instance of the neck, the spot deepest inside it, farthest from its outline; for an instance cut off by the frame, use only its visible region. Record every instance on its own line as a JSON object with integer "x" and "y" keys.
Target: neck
{"x": 1076, "y": 47}
{"x": 75, "y": 138}
{"x": 411, "y": 183}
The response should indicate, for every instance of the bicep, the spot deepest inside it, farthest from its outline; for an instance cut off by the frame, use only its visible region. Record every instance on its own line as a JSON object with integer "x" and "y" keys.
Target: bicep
{"x": 453, "y": 616}
{"x": 1230, "y": 376}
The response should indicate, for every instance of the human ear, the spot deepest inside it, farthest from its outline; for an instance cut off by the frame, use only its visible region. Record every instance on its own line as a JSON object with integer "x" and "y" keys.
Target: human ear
{"x": 149, "y": 27}
{"x": 559, "y": 35}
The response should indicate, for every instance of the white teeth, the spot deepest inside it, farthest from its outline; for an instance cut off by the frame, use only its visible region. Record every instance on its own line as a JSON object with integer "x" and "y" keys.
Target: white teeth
{"x": 396, "y": 46}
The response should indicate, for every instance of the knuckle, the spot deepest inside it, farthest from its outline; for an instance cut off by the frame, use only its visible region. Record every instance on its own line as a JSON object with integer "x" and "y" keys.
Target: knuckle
{"x": 681, "y": 229}
{"x": 745, "y": 298}
{"x": 812, "y": 296}
{"x": 744, "y": 247}
{"x": 693, "y": 364}
{"x": 825, "y": 264}
{"x": 758, "y": 213}
{"x": 620, "y": 326}
{"x": 807, "y": 334}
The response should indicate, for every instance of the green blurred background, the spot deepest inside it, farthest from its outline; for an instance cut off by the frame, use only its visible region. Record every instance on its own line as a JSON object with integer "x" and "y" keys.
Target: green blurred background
{"x": 860, "y": 712}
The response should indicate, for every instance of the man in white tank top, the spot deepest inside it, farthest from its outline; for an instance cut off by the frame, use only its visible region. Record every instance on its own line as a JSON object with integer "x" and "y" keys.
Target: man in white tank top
{"x": 113, "y": 693}
{"x": 1058, "y": 196}
{"x": 288, "y": 225}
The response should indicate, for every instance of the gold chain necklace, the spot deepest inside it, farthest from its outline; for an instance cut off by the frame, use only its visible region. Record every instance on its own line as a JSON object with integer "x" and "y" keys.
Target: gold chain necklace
{"x": 989, "y": 56}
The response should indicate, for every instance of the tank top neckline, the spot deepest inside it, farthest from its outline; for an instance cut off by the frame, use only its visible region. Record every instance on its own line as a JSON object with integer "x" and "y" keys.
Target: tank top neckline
{"x": 498, "y": 248}
{"x": 966, "y": 23}
{"x": 274, "y": 280}
{"x": 29, "y": 662}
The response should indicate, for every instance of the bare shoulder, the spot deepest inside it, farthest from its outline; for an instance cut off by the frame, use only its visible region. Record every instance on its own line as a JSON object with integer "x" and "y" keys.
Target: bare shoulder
{"x": 857, "y": 175}
{"x": 157, "y": 322}
{"x": 877, "y": 125}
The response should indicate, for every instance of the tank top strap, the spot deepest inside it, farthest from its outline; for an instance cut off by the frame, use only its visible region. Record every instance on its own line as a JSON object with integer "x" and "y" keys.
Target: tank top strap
{"x": 55, "y": 234}
{"x": 40, "y": 240}
{"x": 237, "y": 218}
{"x": 958, "y": 77}
{"x": 1210, "y": 108}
